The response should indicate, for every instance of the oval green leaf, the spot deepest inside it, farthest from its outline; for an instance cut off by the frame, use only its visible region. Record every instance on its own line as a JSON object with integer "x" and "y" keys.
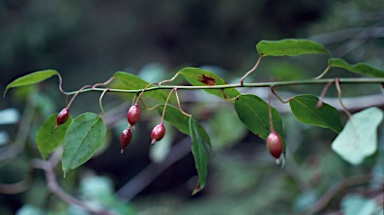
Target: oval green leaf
{"x": 132, "y": 82}
{"x": 253, "y": 112}
{"x": 84, "y": 137}
{"x": 181, "y": 122}
{"x": 32, "y": 78}
{"x": 289, "y": 47}
{"x": 200, "y": 77}
{"x": 358, "y": 139}
{"x": 360, "y": 68}
{"x": 48, "y": 138}
{"x": 304, "y": 109}
{"x": 200, "y": 155}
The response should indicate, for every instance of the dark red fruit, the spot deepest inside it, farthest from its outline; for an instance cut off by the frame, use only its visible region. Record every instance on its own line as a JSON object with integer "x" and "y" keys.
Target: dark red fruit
{"x": 125, "y": 139}
{"x": 274, "y": 144}
{"x": 133, "y": 115}
{"x": 157, "y": 133}
{"x": 62, "y": 117}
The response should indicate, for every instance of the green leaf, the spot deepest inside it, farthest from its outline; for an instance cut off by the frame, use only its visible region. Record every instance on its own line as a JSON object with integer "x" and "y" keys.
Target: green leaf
{"x": 48, "y": 138}
{"x": 304, "y": 109}
{"x": 358, "y": 139}
{"x": 200, "y": 77}
{"x": 174, "y": 116}
{"x": 132, "y": 82}
{"x": 289, "y": 47}
{"x": 200, "y": 155}
{"x": 84, "y": 137}
{"x": 360, "y": 68}
{"x": 253, "y": 112}
{"x": 32, "y": 78}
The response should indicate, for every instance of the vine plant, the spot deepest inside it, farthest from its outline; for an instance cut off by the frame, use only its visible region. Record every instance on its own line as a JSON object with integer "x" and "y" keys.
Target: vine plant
{"x": 81, "y": 137}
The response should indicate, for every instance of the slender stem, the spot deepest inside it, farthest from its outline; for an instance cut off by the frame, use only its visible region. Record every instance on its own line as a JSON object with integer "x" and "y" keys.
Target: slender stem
{"x": 250, "y": 71}
{"x": 340, "y": 99}
{"x": 104, "y": 83}
{"x": 61, "y": 84}
{"x": 278, "y": 97}
{"x": 178, "y": 103}
{"x": 165, "y": 105}
{"x": 261, "y": 84}
{"x": 169, "y": 80}
{"x": 322, "y": 95}
{"x": 270, "y": 111}
{"x": 77, "y": 93}
{"x": 142, "y": 91}
{"x": 100, "y": 101}
{"x": 322, "y": 74}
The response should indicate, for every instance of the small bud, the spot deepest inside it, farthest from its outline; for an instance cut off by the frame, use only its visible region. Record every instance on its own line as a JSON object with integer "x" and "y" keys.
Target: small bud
{"x": 133, "y": 115}
{"x": 125, "y": 139}
{"x": 62, "y": 117}
{"x": 274, "y": 144}
{"x": 157, "y": 133}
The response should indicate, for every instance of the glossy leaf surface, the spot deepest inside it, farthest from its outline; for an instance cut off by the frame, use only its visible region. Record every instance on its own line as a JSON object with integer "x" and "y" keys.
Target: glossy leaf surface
{"x": 304, "y": 109}
{"x": 48, "y": 138}
{"x": 84, "y": 137}
{"x": 289, "y": 47}
{"x": 253, "y": 112}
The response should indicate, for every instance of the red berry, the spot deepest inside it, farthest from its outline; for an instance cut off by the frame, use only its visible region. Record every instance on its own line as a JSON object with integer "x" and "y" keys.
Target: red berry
{"x": 125, "y": 139}
{"x": 62, "y": 117}
{"x": 274, "y": 144}
{"x": 157, "y": 133}
{"x": 133, "y": 115}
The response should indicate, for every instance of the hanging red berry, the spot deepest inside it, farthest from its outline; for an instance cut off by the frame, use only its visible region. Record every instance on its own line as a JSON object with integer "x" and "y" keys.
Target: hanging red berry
{"x": 274, "y": 144}
{"x": 125, "y": 139}
{"x": 133, "y": 115}
{"x": 62, "y": 117}
{"x": 157, "y": 133}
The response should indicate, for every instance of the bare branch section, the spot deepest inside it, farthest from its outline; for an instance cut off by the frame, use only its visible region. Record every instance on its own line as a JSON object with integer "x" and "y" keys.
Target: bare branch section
{"x": 48, "y": 167}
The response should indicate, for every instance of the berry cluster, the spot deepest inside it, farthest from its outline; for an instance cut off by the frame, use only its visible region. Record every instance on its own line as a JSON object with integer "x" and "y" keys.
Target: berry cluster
{"x": 133, "y": 117}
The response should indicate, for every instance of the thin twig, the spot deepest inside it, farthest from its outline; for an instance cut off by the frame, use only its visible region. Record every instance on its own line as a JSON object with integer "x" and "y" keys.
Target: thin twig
{"x": 244, "y": 85}
{"x": 178, "y": 103}
{"x": 322, "y": 95}
{"x": 333, "y": 191}
{"x": 250, "y": 71}
{"x": 48, "y": 167}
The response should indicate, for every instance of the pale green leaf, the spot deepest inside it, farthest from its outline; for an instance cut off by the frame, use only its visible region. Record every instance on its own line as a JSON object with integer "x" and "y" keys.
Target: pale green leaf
{"x": 358, "y": 139}
{"x": 32, "y": 78}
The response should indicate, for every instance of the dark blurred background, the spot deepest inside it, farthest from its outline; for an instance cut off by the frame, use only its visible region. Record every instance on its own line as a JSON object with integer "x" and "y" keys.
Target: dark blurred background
{"x": 88, "y": 41}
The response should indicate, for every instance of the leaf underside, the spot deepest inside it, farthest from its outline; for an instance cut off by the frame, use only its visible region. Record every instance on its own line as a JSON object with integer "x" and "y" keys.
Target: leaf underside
{"x": 358, "y": 139}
